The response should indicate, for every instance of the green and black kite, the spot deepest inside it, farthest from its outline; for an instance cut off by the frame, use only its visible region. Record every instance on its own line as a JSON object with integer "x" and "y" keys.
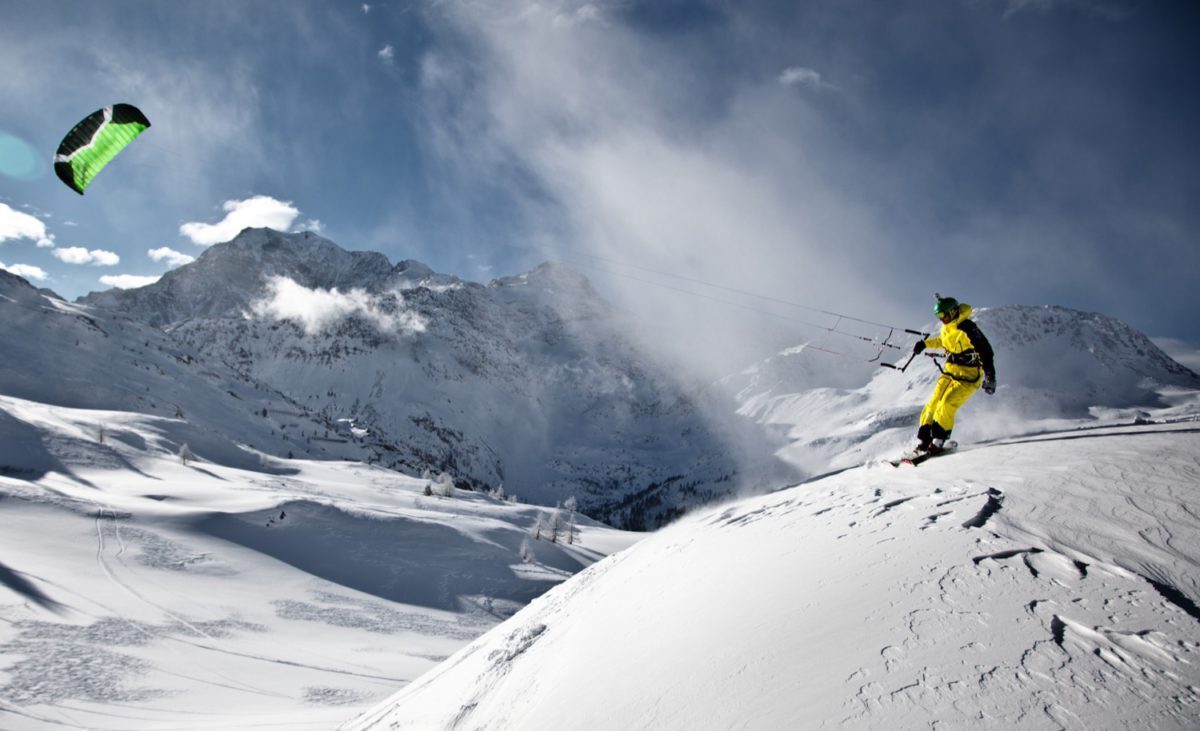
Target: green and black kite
{"x": 94, "y": 141}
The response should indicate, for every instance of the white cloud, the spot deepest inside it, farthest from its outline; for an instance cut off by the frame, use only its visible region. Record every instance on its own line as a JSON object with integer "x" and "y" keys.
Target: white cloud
{"x": 366, "y": 8}
{"x": 80, "y": 255}
{"x": 259, "y": 211}
{"x": 317, "y": 309}
{"x": 801, "y": 76}
{"x": 170, "y": 256}
{"x": 127, "y": 281}
{"x": 25, "y": 270}
{"x": 17, "y": 225}
{"x": 311, "y": 224}
{"x": 387, "y": 53}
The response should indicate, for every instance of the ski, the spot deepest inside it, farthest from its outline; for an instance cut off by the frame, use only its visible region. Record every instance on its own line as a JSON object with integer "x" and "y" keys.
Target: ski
{"x": 915, "y": 459}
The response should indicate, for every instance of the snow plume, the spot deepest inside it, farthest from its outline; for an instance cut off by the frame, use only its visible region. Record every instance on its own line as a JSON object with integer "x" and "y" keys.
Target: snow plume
{"x": 260, "y": 211}
{"x": 647, "y": 181}
{"x": 318, "y": 309}
{"x": 632, "y": 149}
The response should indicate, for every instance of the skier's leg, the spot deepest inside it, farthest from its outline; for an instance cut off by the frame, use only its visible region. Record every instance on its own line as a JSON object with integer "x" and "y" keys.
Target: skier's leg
{"x": 952, "y": 400}
{"x": 939, "y": 392}
{"x": 925, "y": 430}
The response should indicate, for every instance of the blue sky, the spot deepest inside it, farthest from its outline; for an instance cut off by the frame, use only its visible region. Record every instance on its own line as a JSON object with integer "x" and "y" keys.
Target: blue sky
{"x": 849, "y": 155}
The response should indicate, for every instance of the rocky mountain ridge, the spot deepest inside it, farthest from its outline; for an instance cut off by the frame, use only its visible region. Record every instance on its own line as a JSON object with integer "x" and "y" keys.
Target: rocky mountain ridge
{"x": 529, "y": 382}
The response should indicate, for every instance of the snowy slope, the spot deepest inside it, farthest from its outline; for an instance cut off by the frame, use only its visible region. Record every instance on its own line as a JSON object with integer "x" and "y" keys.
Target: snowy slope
{"x": 1045, "y": 582}
{"x": 1055, "y": 366}
{"x": 529, "y": 382}
{"x": 140, "y": 592}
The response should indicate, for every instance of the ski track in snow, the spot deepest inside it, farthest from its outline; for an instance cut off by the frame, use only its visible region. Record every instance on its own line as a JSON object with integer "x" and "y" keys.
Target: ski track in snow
{"x": 121, "y": 609}
{"x": 178, "y": 622}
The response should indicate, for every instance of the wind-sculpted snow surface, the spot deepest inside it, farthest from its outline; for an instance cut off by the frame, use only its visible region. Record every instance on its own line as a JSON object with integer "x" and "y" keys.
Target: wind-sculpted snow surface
{"x": 1038, "y": 583}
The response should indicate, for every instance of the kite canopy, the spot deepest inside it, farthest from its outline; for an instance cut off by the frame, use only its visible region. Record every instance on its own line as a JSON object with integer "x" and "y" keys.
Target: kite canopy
{"x": 94, "y": 141}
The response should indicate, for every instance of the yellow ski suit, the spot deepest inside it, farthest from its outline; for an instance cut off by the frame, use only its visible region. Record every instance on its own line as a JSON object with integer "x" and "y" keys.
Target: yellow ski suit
{"x": 969, "y": 360}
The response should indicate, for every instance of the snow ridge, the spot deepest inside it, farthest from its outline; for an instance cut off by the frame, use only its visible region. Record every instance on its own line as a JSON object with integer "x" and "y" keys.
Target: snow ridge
{"x": 978, "y": 588}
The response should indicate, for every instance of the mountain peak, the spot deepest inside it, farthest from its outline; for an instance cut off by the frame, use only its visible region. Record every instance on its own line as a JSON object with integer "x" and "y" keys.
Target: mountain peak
{"x": 1063, "y": 347}
{"x": 228, "y": 277}
{"x": 549, "y": 274}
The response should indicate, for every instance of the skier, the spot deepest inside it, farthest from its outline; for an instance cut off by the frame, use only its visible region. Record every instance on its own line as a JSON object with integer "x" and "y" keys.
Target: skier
{"x": 968, "y": 366}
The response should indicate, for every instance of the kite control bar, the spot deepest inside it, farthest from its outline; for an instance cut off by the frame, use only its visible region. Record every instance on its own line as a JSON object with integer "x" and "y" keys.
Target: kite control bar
{"x": 910, "y": 358}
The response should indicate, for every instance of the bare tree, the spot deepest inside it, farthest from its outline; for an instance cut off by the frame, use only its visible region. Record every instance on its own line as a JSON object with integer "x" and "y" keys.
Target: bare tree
{"x": 185, "y": 455}
{"x": 571, "y": 505}
{"x": 555, "y": 524}
{"x": 526, "y": 551}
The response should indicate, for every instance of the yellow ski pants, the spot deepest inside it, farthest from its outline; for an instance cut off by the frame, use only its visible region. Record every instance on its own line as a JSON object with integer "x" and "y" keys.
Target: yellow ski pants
{"x": 948, "y": 396}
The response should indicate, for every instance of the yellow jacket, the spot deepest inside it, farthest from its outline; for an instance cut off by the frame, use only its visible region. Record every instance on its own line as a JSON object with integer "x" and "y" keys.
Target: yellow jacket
{"x": 969, "y": 351}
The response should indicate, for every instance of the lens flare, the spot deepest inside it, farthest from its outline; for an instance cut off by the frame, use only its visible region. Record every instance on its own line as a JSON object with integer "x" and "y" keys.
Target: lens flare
{"x": 19, "y": 159}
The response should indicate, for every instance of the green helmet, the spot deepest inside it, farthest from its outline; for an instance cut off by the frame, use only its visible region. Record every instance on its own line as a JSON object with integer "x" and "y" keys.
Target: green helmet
{"x": 947, "y": 305}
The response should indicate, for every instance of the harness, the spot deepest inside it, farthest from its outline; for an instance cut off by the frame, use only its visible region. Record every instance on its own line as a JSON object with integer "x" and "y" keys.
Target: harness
{"x": 966, "y": 359}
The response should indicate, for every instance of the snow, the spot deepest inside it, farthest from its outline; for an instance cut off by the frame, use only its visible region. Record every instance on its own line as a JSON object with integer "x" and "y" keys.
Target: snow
{"x": 1044, "y": 582}
{"x": 140, "y": 592}
{"x": 197, "y": 529}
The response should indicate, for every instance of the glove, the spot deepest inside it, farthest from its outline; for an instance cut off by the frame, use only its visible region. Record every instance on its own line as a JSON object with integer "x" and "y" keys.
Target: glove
{"x": 989, "y": 384}
{"x": 920, "y": 346}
